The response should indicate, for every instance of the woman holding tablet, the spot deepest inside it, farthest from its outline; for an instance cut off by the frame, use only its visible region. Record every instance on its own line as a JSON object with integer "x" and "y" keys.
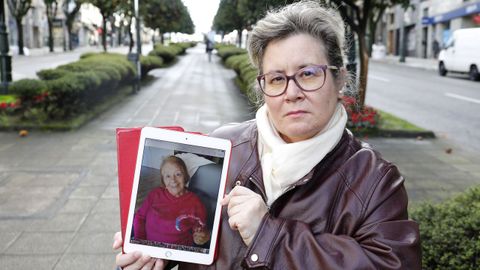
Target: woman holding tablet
{"x": 167, "y": 213}
{"x": 302, "y": 192}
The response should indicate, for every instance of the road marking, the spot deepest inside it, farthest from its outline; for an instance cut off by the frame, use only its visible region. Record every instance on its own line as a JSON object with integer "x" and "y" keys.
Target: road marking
{"x": 379, "y": 78}
{"x": 462, "y": 98}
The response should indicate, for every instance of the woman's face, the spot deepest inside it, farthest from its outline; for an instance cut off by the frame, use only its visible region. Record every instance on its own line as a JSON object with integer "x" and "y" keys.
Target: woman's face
{"x": 173, "y": 178}
{"x": 299, "y": 115}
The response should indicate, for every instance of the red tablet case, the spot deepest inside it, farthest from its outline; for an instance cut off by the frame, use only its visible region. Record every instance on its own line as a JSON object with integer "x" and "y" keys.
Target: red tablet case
{"x": 127, "y": 148}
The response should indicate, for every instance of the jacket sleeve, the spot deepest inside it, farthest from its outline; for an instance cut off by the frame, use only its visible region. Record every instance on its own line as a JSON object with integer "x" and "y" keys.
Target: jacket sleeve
{"x": 381, "y": 237}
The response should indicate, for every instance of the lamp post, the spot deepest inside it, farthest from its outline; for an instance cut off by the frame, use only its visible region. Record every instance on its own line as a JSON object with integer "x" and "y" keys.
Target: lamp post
{"x": 136, "y": 56}
{"x": 5, "y": 57}
{"x": 402, "y": 39}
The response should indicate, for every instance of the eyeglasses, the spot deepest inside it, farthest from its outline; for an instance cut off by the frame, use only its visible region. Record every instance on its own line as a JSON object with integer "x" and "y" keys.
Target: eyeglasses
{"x": 309, "y": 78}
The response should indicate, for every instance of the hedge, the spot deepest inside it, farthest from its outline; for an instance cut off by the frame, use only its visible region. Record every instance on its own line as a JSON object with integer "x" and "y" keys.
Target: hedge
{"x": 167, "y": 53}
{"x": 226, "y": 51}
{"x": 450, "y": 232}
{"x": 69, "y": 91}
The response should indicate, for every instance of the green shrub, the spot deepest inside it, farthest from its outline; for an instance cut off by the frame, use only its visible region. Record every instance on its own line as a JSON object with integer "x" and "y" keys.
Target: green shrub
{"x": 234, "y": 61}
{"x": 150, "y": 62}
{"x": 450, "y": 232}
{"x": 51, "y": 74}
{"x": 226, "y": 52}
{"x": 178, "y": 49}
{"x": 167, "y": 53}
{"x": 27, "y": 88}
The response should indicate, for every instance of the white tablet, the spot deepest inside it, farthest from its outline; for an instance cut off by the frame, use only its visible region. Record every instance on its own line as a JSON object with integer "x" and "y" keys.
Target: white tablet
{"x": 175, "y": 204}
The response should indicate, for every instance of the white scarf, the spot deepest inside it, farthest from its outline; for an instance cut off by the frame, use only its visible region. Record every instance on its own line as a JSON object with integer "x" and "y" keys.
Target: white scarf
{"x": 283, "y": 163}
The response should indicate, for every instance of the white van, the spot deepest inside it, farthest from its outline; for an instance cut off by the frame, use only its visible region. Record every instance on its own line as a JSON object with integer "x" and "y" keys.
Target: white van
{"x": 461, "y": 54}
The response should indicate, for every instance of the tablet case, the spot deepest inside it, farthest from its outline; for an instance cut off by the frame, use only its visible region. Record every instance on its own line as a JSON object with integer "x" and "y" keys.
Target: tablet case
{"x": 127, "y": 148}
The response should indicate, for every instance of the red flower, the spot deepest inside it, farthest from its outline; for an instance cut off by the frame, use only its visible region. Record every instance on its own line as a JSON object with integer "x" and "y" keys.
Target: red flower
{"x": 3, "y": 105}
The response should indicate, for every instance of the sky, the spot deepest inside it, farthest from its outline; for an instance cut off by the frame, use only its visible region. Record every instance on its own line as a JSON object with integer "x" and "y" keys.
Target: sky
{"x": 202, "y": 13}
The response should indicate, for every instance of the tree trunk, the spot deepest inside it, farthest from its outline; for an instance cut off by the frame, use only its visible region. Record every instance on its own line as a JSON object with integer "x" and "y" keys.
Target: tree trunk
{"x": 70, "y": 35}
{"x": 371, "y": 39}
{"x": 104, "y": 34}
{"x": 120, "y": 30}
{"x": 130, "y": 35}
{"x": 50, "y": 35}
{"x": 20, "y": 36}
{"x": 162, "y": 39}
{"x": 363, "y": 55}
{"x": 239, "y": 38}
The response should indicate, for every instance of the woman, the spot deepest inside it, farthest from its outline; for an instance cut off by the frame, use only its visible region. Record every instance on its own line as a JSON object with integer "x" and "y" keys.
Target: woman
{"x": 303, "y": 193}
{"x": 171, "y": 214}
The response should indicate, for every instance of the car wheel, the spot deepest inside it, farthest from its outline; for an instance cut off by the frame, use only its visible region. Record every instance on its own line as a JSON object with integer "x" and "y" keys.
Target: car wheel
{"x": 473, "y": 74}
{"x": 441, "y": 69}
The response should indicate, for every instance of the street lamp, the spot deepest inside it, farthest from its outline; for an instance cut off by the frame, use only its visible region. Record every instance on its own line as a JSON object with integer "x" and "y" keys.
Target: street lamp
{"x": 136, "y": 56}
{"x": 5, "y": 57}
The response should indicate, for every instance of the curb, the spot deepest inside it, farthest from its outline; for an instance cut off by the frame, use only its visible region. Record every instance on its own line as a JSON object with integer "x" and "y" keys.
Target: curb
{"x": 390, "y": 133}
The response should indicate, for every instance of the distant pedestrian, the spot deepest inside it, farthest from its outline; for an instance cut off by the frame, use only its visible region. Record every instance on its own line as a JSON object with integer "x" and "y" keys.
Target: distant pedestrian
{"x": 209, "y": 48}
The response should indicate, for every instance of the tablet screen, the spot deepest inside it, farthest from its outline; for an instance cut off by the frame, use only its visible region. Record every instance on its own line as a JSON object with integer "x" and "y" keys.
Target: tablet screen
{"x": 179, "y": 180}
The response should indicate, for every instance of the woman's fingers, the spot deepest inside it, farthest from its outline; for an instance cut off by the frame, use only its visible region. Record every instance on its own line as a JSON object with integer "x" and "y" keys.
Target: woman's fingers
{"x": 126, "y": 259}
{"x": 149, "y": 263}
{"x": 245, "y": 210}
{"x": 117, "y": 240}
{"x": 159, "y": 264}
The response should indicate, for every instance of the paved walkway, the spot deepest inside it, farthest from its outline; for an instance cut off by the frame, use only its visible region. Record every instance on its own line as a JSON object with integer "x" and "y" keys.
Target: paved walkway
{"x": 58, "y": 191}
{"x": 423, "y": 63}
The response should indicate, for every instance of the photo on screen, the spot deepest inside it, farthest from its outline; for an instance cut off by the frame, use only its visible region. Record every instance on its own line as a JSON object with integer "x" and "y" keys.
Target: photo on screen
{"x": 177, "y": 196}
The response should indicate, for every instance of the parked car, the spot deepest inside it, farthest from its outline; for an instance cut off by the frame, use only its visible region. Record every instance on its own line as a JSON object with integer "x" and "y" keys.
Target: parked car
{"x": 461, "y": 54}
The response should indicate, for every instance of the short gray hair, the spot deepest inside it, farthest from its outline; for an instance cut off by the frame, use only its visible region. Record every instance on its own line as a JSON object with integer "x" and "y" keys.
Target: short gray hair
{"x": 322, "y": 23}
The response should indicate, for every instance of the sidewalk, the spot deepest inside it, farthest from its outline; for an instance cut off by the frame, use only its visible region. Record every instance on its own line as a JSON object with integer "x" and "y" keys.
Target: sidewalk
{"x": 59, "y": 193}
{"x": 414, "y": 62}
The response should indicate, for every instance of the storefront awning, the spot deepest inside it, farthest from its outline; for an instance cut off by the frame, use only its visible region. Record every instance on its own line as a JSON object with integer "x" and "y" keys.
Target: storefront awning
{"x": 459, "y": 12}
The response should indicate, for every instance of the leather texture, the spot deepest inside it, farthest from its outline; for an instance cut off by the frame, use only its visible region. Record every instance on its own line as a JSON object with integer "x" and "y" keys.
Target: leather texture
{"x": 349, "y": 212}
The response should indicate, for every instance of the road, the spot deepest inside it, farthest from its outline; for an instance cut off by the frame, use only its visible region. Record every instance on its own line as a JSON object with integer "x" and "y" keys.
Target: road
{"x": 449, "y": 106}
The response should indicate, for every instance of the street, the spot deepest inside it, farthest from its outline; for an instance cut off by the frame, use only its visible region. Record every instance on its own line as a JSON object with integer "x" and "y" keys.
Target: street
{"x": 449, "y": 106}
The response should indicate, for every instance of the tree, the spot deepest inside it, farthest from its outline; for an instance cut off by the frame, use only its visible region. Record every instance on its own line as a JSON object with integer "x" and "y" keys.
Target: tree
{"x": 359, "y": 15}
{"x": 18, "y": 9}
{"x": 70, "y": 9}
{"x": 167, "y": 16}
{"x": 125, "y": 8}
{"x": 228, "y": 18}
{"x": 242, "y": 14}
{"x": 51, "y": 7}
{"x": 107, "y": 8}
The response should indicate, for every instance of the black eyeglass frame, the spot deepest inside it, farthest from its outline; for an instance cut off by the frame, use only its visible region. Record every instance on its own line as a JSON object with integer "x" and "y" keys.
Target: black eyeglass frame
{"x": 292, "y": 77}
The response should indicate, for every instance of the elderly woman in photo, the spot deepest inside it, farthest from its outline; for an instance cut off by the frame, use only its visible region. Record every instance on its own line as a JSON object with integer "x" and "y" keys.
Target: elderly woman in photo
{"x": 172, "y": 214}
{"x": 302, "y": 192}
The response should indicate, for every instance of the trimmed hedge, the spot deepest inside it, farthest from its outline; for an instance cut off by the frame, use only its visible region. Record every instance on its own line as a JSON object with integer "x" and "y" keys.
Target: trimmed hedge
{"x": 246, "y": 74}
{"x": 71, "y": 92}
{"x": 76, "y": 87}
{"x": 167, "y": 53}
{"x": 226, "y": 51}
{"x": 450, "y": 232}
{"x": 150, "y": 62}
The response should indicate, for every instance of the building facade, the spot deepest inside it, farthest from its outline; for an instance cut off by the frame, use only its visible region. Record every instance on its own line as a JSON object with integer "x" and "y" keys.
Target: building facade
{"x": 35, "y": 26}
{"x": 426, "y": 27}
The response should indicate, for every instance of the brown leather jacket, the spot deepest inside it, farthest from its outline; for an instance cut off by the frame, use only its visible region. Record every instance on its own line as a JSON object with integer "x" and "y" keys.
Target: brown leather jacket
{"x": 349, "y": 212}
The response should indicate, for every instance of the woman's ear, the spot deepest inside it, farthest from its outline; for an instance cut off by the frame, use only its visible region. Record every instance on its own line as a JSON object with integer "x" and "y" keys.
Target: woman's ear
{"x": 341, "y": 81}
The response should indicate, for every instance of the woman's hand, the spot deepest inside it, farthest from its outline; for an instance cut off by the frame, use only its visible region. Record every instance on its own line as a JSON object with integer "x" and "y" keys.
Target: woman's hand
{"x": 135, "y": 260}
{"x": 245, "y": 210}
{"x": 201, "y": 236}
